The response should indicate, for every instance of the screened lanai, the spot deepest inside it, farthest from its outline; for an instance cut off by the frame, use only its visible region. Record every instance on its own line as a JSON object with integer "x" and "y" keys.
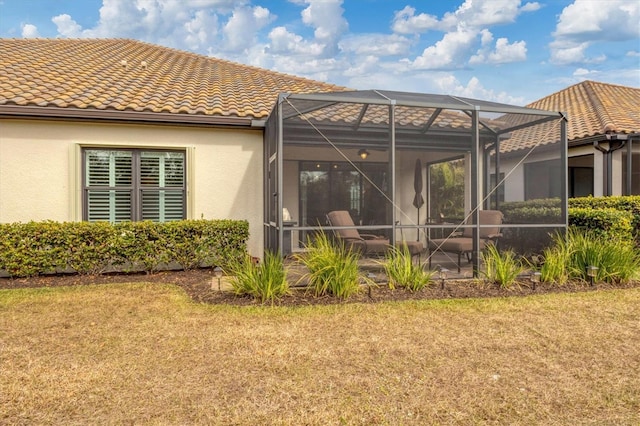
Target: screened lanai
{"x": 412, "y": 167}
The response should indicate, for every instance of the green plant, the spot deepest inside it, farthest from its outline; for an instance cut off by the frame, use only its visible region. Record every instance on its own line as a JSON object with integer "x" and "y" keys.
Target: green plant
{"x": 401, "y": 271}
{"x": 617, "y": 260}
{"x": 333, "y": 269}
{"x": 502, "y": 268}
{"x": 266, "y": 280}
{"x": 556, "y": 259}
{"x": 35, "y": 248}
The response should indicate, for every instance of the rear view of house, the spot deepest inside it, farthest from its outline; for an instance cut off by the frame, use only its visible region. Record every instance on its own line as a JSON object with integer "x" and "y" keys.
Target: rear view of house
{"x": 124, "y": 130}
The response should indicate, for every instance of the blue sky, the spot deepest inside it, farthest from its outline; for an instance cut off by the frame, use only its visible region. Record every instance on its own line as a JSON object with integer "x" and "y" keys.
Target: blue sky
{"x": 512, "y": 51}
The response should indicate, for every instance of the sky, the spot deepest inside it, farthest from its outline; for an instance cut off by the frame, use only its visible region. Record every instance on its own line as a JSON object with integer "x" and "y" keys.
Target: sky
{"x": 509, "y": 51}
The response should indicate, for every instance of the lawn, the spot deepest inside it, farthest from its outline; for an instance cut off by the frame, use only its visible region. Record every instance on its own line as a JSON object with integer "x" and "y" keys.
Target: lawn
{"x": 147, "y": 354}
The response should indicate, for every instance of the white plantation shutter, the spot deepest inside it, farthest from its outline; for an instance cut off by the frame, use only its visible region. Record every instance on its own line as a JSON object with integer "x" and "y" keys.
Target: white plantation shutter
{"x": 109, "y": 183}
{"x": 134, "y": 185}
{"x": 162, "y": 185}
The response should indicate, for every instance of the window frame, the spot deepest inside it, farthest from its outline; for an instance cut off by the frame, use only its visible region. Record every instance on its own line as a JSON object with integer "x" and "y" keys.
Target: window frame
{"x": 136, "y": 188}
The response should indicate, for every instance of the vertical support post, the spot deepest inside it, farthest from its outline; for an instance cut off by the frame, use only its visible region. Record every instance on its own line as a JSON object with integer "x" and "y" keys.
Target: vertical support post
{"x": 392, "y": 129}
{"x": 475, "y": 188}
{"x": 629, "y": 168}
{"x": 280, "y": 166}
{"x": 564, "y": 169}
{"x": 497, "y": 172}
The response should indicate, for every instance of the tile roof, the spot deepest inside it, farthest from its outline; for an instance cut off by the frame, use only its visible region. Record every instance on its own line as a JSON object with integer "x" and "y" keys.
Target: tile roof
{"x": 592, "y": 109}
{"x": 129, "y": 75}
{"x": 595, "y": 108}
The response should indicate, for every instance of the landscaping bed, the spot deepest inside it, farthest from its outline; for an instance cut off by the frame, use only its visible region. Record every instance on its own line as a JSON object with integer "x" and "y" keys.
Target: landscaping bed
{"x": 197, "y": 284}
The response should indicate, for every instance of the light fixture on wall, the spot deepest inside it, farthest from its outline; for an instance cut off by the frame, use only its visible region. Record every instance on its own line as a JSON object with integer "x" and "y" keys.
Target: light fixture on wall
{"x": 363, "y": 153}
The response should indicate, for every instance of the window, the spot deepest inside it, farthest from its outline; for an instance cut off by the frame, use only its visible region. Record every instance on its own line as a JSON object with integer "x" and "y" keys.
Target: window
{"x": 133, "y": 184}
{"x": 326, "y": 186}
{"x": 542, "y": 179}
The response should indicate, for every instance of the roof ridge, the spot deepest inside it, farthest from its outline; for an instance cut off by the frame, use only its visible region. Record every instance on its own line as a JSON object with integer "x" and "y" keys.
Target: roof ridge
{"x": 597, "y": 103}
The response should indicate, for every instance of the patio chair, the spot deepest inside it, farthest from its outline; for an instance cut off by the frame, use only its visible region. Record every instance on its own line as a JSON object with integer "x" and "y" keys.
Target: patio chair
{"x": 463, "y": 244}
{"x": 366, "y": 244}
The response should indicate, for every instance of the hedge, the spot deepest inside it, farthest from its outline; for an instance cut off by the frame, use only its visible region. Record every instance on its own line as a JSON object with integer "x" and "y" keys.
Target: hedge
{"x": 628, "y": 203}
{"x": 613, "y": 217}
{"x": 609, "y": 223}
{"x": 35, "y": 248}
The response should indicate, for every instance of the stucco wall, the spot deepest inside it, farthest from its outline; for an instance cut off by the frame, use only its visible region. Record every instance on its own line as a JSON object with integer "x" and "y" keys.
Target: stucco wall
{"x": 40, "y": 169}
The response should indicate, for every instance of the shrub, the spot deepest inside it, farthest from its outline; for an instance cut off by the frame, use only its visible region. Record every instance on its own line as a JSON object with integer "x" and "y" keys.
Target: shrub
{"x": 556, "y": 260}
{"x": 266, "y": 281}
{"x": 501, "y": 268}
{"x": 34, "y": 248}
{"x": 401, "y": 270}
{"x": 141, "y": 246}
{"x": 606, "y": 222}
{"x": 90, "y": 248}
{"x": 617, "y": 260}
{"x": 333, "y": 269}
{"x": 28, "y": 249}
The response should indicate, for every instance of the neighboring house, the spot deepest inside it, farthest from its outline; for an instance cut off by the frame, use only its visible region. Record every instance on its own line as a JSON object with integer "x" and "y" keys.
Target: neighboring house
{"x": 119, "y": 129}
{"x": 604, "y": 137}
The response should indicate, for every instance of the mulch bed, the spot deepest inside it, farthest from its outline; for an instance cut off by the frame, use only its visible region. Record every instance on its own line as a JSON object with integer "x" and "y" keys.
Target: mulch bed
{"x": 197, "y": 284}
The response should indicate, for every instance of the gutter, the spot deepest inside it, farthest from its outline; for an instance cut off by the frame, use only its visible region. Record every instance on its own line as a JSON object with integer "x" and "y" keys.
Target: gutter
{"x": 128, "y": 116}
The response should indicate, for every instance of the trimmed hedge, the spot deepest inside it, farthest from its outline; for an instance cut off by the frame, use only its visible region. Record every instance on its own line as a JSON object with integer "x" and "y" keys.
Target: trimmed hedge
{"x": 35, "y": 248}
{"x": 628, "y": 203}
{"x": 612, "y": 217}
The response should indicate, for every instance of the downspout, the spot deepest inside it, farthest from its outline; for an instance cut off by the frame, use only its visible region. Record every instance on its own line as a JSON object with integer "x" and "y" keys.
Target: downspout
{"x": 620, "y": 141}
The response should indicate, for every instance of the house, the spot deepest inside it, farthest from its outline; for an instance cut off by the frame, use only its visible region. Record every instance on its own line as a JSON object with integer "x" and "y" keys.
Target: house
{"x": 114, "y": 130}
{"x": 110, "y": 129}
{"x": 603, "y": 135}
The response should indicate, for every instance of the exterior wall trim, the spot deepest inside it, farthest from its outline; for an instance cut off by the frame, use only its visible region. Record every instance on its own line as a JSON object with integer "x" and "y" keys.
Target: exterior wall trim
{"x": 20, "y": 111}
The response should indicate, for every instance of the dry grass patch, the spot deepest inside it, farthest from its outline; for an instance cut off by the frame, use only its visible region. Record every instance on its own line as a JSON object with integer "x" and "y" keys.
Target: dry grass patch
{"x": 145, "y": 354}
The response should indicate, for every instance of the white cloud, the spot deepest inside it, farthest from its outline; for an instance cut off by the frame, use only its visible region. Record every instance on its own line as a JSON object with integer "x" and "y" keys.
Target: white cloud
{"x": 375, "y": 44}
{"x": 483, "y": 13}
{"x": 465, "y": 26}
{"x": 325, "y": 16}
{"x": 474, "y": 89}
{"x": 200, "y": 29}
{"x": 240, "y": 30}
{"x": 406, "y": 21}
{"x": 531, "y": 7}
{"x": 67, "y": 27}
{"x": 30, "y": 31}
{"x": 285, "y": 42}
{"x": 447, "y": 53}
{"x": 633, "y": 53}
{"x": 502, "y": 54}
{"x": 585, "y": 22}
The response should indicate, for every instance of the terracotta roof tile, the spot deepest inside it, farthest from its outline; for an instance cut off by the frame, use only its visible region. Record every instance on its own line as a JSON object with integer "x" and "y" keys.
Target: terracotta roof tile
{"x": 131, "y": 75}
{"x": 593, "y": 108}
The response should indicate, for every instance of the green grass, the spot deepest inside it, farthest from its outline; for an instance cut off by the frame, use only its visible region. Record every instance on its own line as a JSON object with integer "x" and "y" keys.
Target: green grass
{"x": 145, "y": 354}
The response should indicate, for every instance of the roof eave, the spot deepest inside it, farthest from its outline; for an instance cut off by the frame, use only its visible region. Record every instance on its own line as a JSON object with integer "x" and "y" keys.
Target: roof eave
{"x": 20, "y": 111}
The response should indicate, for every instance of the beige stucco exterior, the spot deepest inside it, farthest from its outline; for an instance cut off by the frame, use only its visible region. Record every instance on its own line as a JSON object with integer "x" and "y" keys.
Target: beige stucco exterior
{"x": 40, "y": 168}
